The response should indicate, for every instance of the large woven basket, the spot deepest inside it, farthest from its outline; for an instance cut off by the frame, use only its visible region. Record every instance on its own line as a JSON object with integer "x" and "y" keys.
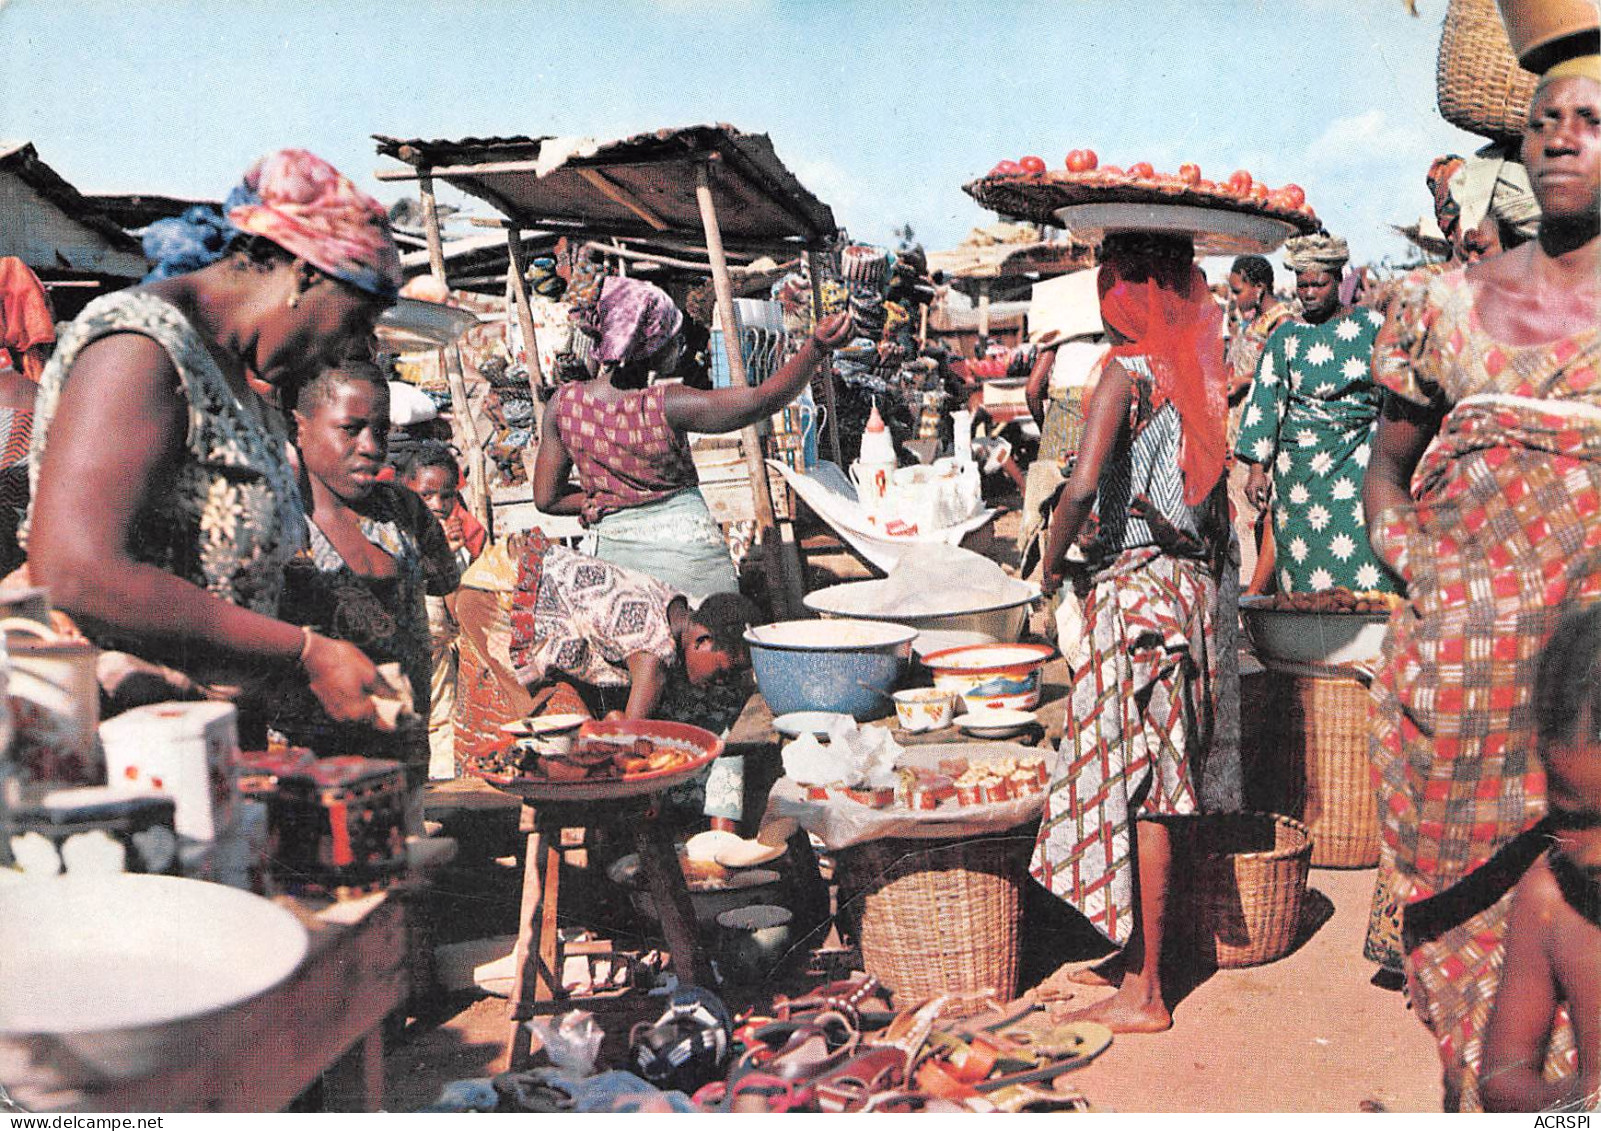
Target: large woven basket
{"x": 936, "y": 917}
{"x": 1328, "y": 724}
{"x": 1478, "y": 83}
{"x": 1247, "y": 883}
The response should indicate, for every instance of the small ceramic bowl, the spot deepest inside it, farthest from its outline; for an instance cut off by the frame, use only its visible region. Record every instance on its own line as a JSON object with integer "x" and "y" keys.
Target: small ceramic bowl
{"x": 921, "y": 709}
{"x": 996, "y": 722}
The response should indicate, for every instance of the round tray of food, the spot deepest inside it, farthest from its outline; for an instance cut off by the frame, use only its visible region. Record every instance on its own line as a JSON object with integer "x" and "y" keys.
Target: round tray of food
{"x": 1236, "y": 216}
{"x": 606, "y": 760}
{"x": 1335, "y": 627}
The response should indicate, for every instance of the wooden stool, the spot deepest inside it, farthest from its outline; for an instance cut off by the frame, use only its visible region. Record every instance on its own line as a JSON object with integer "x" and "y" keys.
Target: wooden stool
{"x": 536, "y": 986}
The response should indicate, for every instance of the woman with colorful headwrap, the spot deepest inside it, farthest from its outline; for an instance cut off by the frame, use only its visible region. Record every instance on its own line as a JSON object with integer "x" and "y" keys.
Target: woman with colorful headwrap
{"x": 637, "y": 491}
{"x": 1495, "y": 371}
{"x": 1308, "y": 430}
{"x": 165, "y": 505}
{"x": 1146, "y": 502}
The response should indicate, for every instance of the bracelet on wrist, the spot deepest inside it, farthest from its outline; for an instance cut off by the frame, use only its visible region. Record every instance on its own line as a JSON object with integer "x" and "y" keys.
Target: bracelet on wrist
{"x": 305, "y": 643}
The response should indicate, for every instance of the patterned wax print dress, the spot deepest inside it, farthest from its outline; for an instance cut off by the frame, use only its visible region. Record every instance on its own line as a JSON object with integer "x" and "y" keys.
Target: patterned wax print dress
{"x": 229, "y": 516}
{"x": 1310, "y": 418}
{"x": 1503, "y": 538}
{"x": 1145, "y": 676}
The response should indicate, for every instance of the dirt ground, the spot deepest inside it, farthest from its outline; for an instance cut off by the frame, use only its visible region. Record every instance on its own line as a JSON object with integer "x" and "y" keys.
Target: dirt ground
{"x": 1311, "y": 1032}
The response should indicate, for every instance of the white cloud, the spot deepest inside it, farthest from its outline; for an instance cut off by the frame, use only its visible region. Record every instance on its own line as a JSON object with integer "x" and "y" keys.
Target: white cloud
{"x": 1366, "y": 138}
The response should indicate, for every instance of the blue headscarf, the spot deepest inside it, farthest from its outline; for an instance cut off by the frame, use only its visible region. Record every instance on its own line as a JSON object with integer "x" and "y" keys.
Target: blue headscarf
{"x": 198, "y": 238}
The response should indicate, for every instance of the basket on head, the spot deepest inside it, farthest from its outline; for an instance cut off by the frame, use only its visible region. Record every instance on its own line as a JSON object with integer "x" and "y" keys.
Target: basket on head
{"x": 937, "y": 917}
{"x": 1247, "y": 876}
{"x": 1328, "y": 728}
{"x": 1478, "y": 83}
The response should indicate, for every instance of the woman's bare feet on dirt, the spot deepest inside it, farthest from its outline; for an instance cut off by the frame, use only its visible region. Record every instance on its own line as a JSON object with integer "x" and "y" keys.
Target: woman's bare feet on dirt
{"x": 1127, "y": 1013}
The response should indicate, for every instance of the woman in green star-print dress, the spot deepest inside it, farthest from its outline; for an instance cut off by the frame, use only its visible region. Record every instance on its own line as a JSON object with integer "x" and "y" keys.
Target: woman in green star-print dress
{"x": 1308, "y": 427}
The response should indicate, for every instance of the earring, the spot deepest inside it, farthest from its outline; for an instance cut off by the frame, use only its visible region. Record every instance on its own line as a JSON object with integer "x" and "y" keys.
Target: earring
{"x": 294, "y": 298}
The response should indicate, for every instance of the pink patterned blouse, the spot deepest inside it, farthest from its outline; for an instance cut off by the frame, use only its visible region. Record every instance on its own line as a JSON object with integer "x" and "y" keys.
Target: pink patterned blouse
{"x": 626, "y": 453}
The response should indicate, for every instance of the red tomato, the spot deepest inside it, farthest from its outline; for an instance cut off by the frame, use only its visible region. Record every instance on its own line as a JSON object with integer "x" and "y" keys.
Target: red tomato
{"x": 1033, "y": 164}
{"x": 1006, "y": 169}
{"x": 1082, "y": 160}
{"x": 1258, "y": 191}
{"x": 1190, "y": 174}
{"x": 1142, "y": 169}
{"x": 1206, "y": 186}
{"x": 1111, "y": 171}
{"x": 1239, "y": 183}
{"x": 1295, "y": 195}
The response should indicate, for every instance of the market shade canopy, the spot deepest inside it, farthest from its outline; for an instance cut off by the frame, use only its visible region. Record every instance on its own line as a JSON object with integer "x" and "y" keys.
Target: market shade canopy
{"x": 639, "y": 186}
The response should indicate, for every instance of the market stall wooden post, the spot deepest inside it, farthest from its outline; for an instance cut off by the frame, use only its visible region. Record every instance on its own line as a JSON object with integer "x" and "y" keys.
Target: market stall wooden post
{"x": 517, "y": 276}
{"x": 472, "y": 447}
{"x": 813, "y": 271}
{"x": 786, "y": 586}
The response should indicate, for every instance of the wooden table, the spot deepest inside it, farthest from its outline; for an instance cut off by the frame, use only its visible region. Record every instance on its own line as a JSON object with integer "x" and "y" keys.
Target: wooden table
{"x": 536, "y": 981}
{"x": 324, "y": 1021}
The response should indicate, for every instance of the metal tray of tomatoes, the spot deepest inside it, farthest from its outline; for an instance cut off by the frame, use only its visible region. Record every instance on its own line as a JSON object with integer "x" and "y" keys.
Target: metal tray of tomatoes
{"x": 1092, "y": 203}
{"x": 701, "y": 745}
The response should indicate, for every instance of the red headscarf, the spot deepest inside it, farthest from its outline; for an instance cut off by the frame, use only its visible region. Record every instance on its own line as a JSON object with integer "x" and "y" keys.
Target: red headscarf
{"x": 1162, "y": 306}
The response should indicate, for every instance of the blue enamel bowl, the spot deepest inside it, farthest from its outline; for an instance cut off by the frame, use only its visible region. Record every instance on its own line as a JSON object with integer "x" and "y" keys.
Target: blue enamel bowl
{"x": 848, "y": 666}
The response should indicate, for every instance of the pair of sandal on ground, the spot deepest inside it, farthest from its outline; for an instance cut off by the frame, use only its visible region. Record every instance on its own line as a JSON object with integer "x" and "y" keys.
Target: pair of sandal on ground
{"x": 842, "y": 1049}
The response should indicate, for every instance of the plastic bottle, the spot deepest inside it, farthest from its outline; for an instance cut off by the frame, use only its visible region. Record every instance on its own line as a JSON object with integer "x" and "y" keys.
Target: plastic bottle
{"x": 874, "y": 470}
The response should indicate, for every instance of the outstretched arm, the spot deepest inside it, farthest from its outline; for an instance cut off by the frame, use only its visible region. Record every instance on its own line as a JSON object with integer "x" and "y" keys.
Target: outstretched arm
{"x": 728, "y": 410}
{"x": 1105, "y": 421}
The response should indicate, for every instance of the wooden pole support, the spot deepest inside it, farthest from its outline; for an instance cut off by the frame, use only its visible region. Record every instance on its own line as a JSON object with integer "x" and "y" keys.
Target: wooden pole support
{"x": 750, "y": 437}
{"x": 517, "y": 274}
{"x": 467, "y": 429}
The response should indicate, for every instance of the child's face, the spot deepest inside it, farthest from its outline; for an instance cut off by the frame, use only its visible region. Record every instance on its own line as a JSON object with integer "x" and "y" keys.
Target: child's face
{"x": 1573, "y": 790}
{"x": 438, "y": 488}
{"x": 703, "y": 660}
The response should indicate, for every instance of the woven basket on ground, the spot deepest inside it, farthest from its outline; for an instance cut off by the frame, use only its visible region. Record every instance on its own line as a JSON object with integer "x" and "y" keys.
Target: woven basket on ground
{"x": 1478, "y": 83}
{"x": 1247, "y": 883}
{"x": 1328, "y": 724}
{"x": 939, "y": 917}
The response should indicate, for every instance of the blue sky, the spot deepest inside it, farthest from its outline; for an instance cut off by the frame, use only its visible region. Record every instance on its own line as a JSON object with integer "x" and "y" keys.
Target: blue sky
{"x": 884, "y": 108}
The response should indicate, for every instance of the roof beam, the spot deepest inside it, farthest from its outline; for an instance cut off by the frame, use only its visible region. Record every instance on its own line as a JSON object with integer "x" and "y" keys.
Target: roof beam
{"x": 617, "y": 194}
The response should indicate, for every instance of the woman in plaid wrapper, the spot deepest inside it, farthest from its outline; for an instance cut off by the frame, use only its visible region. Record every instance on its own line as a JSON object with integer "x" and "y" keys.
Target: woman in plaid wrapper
{"x": 1496, "y": 370}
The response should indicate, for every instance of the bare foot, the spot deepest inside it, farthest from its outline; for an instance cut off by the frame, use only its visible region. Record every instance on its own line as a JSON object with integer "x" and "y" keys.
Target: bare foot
{"x": 1107, "y": 972}
{"x": 1124, "y": 1013}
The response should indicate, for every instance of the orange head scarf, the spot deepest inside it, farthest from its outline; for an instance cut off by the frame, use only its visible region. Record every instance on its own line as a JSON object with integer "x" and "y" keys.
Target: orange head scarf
{"x": 1155, "y": 297}
{"x": 25, "y": 317}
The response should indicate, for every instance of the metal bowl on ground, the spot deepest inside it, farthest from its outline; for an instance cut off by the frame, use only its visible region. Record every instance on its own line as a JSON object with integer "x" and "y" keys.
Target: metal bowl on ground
{"x": 710, "y": 898}
{"x": 848, "y": 666}
{"x": 116, "y": 977}
{"x": 1000, "y": 619}
{"x": 1298, "y": 637}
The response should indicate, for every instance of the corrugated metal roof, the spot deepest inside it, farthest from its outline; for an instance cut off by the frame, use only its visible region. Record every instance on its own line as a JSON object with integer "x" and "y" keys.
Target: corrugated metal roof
{"x": 22, "y": 159}
{"x": 639, "y": 186}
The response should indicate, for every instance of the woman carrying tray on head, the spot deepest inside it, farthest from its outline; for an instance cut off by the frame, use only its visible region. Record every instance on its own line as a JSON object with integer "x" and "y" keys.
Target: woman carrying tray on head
{"x": 1146, "y": 501}
{"x": 1496, "y": 370}
{"x": 1308, "y": 430}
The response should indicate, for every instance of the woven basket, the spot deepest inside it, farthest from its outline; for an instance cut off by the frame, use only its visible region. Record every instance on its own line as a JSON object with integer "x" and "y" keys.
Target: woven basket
{"x": 1478, "y": 83}
{"x": 938, "y": 917}
{"x": 1328, "y": 724}
{"x": 1247, "y": 874}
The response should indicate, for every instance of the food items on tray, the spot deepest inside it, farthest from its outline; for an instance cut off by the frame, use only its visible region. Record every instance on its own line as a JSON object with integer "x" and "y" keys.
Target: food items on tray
{"x": 955, "y": 781}
{"x": 1337, "y": 601}
{"x": 1085, "y": 181}
{"x": 591, "y": 758}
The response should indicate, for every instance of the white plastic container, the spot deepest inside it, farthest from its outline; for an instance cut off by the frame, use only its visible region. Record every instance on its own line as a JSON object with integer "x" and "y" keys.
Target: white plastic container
{"x": 185, "y": 750}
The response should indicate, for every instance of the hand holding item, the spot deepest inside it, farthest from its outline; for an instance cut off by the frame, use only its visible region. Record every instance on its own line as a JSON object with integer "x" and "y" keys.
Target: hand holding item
{"x": 392, "y": 700}
{"x": 833, "y": 331}
{"x": 341, "y": 676}
{"x": 1258, "y": 488}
